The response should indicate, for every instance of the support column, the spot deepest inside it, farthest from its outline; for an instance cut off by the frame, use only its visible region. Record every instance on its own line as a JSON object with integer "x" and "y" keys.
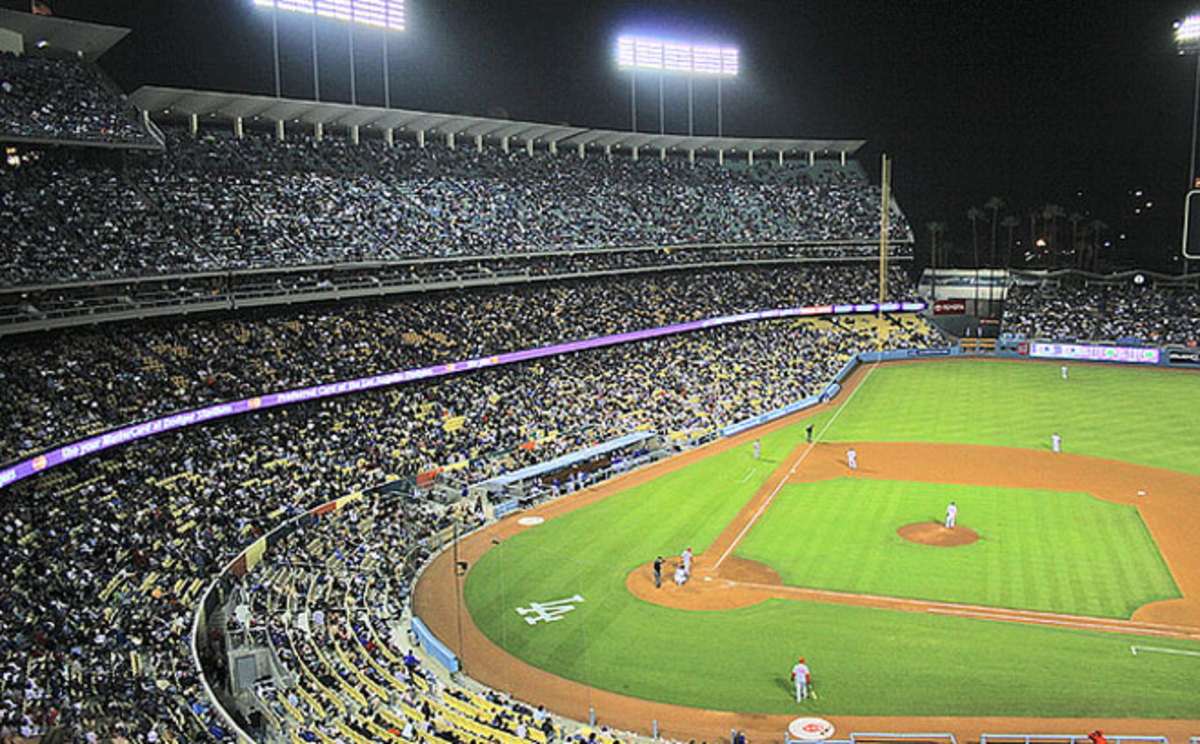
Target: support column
{"x": 421, "y": 138}
{"x": 389, "y": 136}
{"x": 812, "y": 158}
{"x": 193, "y": 124}
{"x": 354, "y": 134}
{"x": 692, "y": 155}
{"x": 319, "y": 131}
{"x": 529, "y": 146}
{"x": 237, "y": 127}
{"x": 450, "y": 141}
{"x": 582, "y": 152}
{"x": 553, "y": 147}
{"x": 635, "y": 153}
{"x": 608, "y": 151}
{"x": 781, "y": 157}
{"x": 749, "y": 157}
{"x": 504, "y": 144}
{"x": 279, "y": 133}
{"x": 479, "y": 143}
{"x": 662, "y": 153}
{"x": 720, "y": 157}
{"x": 843, "y": 158}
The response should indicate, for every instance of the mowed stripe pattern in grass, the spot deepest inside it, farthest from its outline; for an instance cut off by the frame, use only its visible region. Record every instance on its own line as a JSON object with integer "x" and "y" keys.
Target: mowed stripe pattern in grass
{"x": 1038, "y": 550}
{"x": 1125, "y": 413}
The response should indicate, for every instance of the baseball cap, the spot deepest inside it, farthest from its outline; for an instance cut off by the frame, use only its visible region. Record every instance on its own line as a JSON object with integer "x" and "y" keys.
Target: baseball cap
{"x": 801, "y": 659}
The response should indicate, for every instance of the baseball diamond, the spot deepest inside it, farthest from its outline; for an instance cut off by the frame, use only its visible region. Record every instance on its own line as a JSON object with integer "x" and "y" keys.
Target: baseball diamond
{"x": 1080, "y": 556}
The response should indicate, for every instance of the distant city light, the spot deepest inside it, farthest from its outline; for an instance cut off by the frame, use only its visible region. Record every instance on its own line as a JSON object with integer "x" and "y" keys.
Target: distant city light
{"x": 1187, "y": 34}
{"x": 645, "y": 53}
{"x": 387, "y": 14}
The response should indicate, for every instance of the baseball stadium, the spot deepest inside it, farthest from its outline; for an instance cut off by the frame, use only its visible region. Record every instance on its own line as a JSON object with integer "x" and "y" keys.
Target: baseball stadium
{"x": 335, "y": 422}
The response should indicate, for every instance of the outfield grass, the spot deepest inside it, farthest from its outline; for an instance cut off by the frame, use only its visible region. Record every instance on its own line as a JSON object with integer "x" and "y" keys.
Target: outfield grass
{"x": 870, "y": 661}
{"x": 1037, "y": 549}
{"x": 1140, "y": 415}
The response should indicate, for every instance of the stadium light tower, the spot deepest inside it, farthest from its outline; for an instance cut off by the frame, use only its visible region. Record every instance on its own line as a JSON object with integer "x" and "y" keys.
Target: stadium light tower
{"x": 1187, "y": 41}
{"x": 666, "y": 57}
{"x": 387, "y": 15}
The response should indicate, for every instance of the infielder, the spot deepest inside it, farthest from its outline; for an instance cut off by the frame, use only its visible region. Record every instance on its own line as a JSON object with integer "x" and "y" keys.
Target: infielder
{"x": 1064, "y": 371}
{"x": 686, "y": 556}
{"x": 1056, "y": 443}
{"x": 757, "y": 448}
{"x": 951, "y": 515}
{"x": 801, "y": 676}
{"x": 852, "y": 459}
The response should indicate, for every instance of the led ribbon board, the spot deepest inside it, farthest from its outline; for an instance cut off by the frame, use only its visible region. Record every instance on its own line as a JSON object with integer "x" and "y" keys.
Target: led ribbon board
{"x": 132, "y": 433}
{"x": 1091, "y": 353}
{"x": 387, "y": 14}
{"x": 644, "y": 53}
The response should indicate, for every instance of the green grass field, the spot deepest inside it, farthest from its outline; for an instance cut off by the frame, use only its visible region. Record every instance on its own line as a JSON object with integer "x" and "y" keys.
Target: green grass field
{"x": 1036, "y": 552}
{"x": 878, "y": 661}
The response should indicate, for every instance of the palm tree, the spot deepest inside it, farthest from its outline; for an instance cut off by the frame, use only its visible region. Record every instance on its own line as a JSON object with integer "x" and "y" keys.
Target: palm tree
{"x": 936, "y": 231}
{"x": 974, "y": 214}
{"x": 1097, "y": 228}
{"x": 1051, "y": 213}
{"x": 995, "y": 204}
{"x": 1010, "y": 223}
{"x": 1075, "y": 218}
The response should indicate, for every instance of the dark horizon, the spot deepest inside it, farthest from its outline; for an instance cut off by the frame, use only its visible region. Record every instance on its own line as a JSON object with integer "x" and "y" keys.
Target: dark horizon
{"x": 1064, "y": 103}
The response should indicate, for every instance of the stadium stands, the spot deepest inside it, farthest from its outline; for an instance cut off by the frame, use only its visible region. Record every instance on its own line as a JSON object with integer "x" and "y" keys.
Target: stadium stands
{"x": 56, "y": 100}
{"x": 1105, "y": 312}
{"x": 110, "y": 553}
{"x": 219, "y": 203}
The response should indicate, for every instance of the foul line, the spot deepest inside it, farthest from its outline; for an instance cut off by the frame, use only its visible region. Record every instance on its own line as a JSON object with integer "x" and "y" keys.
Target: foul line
{"x": 747, "y": 475}
{"x": 1177, "y": 651}
{"x": 799, "y": 461}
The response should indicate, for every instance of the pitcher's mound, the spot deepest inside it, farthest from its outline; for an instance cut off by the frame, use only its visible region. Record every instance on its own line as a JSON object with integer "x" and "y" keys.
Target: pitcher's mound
{"x": 932, "y": 533}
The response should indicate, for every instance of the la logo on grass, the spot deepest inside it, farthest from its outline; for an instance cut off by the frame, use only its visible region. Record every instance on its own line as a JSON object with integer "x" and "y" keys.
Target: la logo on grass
{"x": 549, "y": 612}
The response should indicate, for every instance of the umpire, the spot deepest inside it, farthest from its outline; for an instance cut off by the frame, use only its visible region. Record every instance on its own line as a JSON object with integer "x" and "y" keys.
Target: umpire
{"x": 658, "y": 564}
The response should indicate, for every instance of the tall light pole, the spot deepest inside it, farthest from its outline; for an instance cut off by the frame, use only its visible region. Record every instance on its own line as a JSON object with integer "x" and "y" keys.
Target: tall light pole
{"x": 1187, "y": 41}
{"x": 635, "y": 53}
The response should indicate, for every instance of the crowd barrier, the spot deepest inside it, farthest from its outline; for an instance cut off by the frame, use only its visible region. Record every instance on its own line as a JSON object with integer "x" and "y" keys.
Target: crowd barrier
{"x": 435, "y": 648}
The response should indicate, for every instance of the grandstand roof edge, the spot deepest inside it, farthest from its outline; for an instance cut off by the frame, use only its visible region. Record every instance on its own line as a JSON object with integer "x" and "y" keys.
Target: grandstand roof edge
{"x": 224, "y": 105}
{"x": 58, "y": 33}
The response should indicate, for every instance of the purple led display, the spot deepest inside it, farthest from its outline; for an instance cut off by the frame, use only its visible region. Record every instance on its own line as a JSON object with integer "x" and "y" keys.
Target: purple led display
{"x": 126, "y": 434}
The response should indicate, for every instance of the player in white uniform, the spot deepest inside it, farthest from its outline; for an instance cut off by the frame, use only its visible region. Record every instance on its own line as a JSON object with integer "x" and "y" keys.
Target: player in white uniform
{"x": 1056, "y": 443}
{"x": 951, "y": 514}
{"x": 757, "y": 448}
{"x": 681, "y": 575}
{"x": 852, "y": 459}
{"x": 801, "y": 676}
{"x": 686, "y": 556}
{"x": 1064, "y": 371}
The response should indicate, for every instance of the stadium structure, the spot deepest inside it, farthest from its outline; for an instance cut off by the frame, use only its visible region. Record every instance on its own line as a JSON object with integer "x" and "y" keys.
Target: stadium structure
{"x": 338, "y": 423}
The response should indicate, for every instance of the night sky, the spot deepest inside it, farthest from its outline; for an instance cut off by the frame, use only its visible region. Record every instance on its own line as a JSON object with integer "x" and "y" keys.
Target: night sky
{"x": 1037, "y": 101}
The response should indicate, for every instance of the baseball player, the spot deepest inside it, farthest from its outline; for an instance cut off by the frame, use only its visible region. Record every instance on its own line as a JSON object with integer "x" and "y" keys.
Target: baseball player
{"x": 1056, "y": 442}
{"x": 852, "y": 459}
{"x": 808, "y": 431}
{"x": 757, "y": 448}
{"x": 801, "y": 676}
{"x": 681, "y": 575}
{"x": 658, "y": 564}
{"x": 951, "y": 514}
{"x": 686, "y": 556}
{"x": 1064, "y": 371}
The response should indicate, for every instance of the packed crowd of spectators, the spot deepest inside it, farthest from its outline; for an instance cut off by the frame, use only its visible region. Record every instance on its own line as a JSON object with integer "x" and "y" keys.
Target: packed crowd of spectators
{"x": 1104, "y": 312}
{"x": 107, "y": 555}
{"x": 217, "y": 202}
{"x": 64, "y": 385}
{"x": 63, "y": 99}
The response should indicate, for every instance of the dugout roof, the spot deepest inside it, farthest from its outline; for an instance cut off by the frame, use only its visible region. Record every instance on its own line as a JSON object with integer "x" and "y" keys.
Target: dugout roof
{"x": 571, "y": 458}
{"x": 229, "y": 106}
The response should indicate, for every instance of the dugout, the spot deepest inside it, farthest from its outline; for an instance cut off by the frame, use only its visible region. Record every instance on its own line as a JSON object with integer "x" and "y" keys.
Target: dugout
{"x": 522, "y": 488}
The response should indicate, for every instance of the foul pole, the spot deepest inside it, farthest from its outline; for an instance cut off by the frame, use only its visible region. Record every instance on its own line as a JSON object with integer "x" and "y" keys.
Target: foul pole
{"x": 885, "y": 212}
